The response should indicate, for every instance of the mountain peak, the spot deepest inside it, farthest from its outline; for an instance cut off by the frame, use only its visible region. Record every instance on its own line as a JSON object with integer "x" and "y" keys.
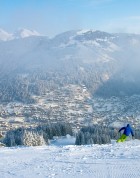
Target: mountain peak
{"x": 83, "y": 31}
{"x": 20, "y": 33}
{"x": 23, "y": 33}
{"x": 4, "y": 36}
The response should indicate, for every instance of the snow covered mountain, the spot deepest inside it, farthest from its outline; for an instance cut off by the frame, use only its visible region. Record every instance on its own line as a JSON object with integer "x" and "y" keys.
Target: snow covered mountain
{"x": 20, "y": 33}
{"x": 78, "y": 47}
{"x": 23, "y": 33}
{"x": 5, "y": 36}
{"x": 84, "y": 55}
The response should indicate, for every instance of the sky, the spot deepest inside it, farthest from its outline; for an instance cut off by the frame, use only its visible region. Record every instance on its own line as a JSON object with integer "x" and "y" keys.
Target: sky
{"x": 51, "y": 17}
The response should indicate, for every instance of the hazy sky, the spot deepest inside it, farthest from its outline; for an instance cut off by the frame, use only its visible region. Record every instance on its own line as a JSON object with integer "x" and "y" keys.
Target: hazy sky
{"x": 50, "y": 17}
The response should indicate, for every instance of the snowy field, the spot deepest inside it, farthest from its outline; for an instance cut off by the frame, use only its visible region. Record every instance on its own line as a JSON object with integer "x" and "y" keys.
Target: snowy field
{"x": 116, "y": 160}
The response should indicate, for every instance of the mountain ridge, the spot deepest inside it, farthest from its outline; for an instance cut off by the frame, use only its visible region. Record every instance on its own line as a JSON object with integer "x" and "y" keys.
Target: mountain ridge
{"x": 99, "y": 60}
{"x": 20, "y": 33}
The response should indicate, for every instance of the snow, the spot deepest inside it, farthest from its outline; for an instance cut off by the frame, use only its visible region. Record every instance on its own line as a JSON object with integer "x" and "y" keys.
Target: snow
{"x": 117, "y": 124}
{"x": 4, "y": 36}
{"x": 138, "y": 117}
{"x": 92, "y": 42}
{"x": 20, "y": 33}
{"x": 90, "y": 110}
{"x": 23, "y": 33}
{"x": 83, "y": 31}
{"x": 66, "y": 161}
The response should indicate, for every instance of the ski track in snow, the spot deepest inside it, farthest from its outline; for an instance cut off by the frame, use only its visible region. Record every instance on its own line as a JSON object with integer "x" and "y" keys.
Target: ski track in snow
{"x": 116, "y": 160}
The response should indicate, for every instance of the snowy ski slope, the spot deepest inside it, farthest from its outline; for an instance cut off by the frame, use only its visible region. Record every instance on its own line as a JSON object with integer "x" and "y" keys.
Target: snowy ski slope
{"x": 116, "y": 160}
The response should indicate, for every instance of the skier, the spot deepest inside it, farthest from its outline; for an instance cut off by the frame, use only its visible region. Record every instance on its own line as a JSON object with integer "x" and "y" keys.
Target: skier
{"x": 127, "y": 131}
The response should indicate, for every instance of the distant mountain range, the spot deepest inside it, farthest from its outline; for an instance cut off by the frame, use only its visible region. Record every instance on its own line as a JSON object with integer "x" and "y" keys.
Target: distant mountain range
{"x": 20, "y": 33}
{"x": 108, "y": 63}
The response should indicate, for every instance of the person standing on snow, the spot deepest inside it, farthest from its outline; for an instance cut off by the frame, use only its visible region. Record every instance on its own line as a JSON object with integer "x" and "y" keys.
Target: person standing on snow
{"x": 127, "y": 131}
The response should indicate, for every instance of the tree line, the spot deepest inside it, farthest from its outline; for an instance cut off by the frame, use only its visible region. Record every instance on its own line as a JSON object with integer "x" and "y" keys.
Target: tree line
{"x": 99, "y": 135}
{"x": 41, "y": 134}
{"x": 37, "y": 136}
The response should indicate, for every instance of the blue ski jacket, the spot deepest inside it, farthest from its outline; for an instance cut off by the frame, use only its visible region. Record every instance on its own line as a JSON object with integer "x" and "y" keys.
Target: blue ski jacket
{"x": 127, "y": 130}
